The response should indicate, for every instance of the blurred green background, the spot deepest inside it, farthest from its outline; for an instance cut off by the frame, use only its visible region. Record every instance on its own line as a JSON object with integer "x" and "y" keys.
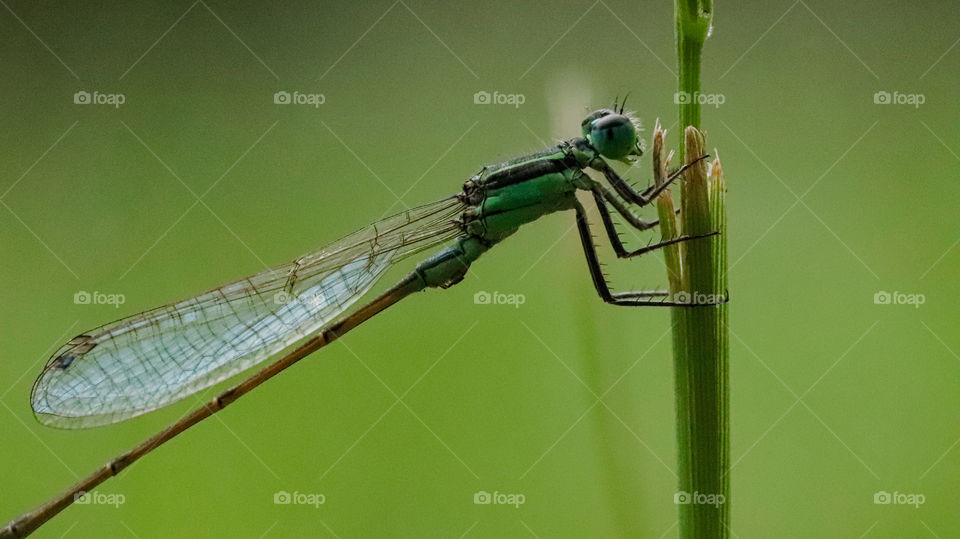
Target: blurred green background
{"x": 832, "y": 199}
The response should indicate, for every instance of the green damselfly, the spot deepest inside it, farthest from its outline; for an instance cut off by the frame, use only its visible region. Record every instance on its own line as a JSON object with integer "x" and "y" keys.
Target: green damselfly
{"x": 155, "y": 358}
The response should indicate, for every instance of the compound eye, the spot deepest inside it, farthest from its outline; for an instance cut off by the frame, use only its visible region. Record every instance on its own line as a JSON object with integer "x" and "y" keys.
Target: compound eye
{"x": 614, "y": 136}
{"x": 588, "y": 121}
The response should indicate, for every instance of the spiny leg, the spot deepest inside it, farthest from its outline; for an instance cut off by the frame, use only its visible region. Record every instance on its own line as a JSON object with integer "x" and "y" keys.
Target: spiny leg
{"x": 631, "y": 218}
{"x": 634, "y": 298}
{"x": 673, "y": 173}
{"x": 611, "y": 228}
{"x": 630, "y": 194}
{"x": 617, "y": 243}
{"x": 601, "y": 193}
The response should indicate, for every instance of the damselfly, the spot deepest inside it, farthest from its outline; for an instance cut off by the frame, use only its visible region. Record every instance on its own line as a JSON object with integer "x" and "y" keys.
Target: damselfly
{"x": 155, "y": 358}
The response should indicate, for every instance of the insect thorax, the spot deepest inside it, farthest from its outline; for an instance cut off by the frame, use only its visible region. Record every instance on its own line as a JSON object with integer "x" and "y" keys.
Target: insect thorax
{"x": 505, "y": 196}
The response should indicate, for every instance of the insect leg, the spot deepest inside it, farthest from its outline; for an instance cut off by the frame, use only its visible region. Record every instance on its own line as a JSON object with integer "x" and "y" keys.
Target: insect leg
{"x": 640, "y": 198}
{"x": 615, "y": 241}
{"x": 636, "y": 298}
{"x": 601, "y": 194}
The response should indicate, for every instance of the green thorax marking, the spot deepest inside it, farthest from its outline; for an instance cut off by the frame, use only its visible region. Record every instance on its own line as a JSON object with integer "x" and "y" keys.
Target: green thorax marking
{"x": 508, "y": 195}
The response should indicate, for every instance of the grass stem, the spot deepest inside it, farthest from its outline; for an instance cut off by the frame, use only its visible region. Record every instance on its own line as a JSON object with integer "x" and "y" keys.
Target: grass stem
{"x": 697, "y": 271}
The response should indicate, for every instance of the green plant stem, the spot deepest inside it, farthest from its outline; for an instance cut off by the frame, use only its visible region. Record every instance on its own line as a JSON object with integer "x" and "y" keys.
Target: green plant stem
{"x": 698, "y": 268}
{"x": 692, "y": 30}
{"x": 701, "y": 356}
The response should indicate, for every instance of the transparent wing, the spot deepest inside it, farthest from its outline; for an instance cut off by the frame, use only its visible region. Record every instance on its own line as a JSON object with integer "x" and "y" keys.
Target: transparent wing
{"x": 154, "y": 358}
